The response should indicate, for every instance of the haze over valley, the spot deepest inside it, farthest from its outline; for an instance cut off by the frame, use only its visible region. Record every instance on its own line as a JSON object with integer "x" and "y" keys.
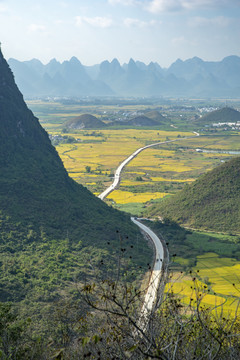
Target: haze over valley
{"x": 190, "y": 78}
{"x": 119, "y": 179}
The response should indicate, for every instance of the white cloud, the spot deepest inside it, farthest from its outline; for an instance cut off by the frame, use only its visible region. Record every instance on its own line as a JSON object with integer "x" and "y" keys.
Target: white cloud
{"x": 123, "y": 2}
{"x": 100, "y": 22}
{"x": 194, "y": 4}
{"x": 130, "y": 22}
{"x": 219, "y": 21}
{"x": 36, "y": 27}
{"x": 158, "y": 6}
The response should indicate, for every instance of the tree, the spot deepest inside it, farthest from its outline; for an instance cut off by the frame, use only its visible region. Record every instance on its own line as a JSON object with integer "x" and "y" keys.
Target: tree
{"x": 88, "y": 168}
{"x": 12, "y": 333}
{"x": 174, "y": 331}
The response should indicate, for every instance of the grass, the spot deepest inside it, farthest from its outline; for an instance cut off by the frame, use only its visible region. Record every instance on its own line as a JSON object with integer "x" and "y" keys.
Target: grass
{"x": 131, "y": 208}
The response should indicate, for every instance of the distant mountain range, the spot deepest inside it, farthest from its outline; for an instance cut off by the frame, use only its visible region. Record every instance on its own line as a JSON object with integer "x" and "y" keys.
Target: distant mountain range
{"x": 193, "y": 77}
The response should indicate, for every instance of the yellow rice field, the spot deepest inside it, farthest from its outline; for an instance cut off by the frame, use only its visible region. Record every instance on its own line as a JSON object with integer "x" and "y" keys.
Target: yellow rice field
{"x": 214, "y": 142}
{"x": 159, "y": 164}
{"x": 159, "y": 178}
{"x": 104, "y": 152}
{"x": 220, "y": 276}
{"x": 125, "y": 197}
{"x": 222, "y": 273}
{"x": 134, "y": 183}
{"x": 153, "y": 159}
{"x": 108, "y": 150}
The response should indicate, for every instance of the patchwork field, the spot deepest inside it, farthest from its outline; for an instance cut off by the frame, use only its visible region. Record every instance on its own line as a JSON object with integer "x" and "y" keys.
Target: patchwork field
{"x": 216, "y": 282}
{"x": 124, "y": 197}
{"x": 104, "y": 151}
{"x": 163, "y": 169}
{"x": 93, "y": 156}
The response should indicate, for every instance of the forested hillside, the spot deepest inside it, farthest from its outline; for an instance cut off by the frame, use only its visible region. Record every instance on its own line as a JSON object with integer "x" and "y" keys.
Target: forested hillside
{"x": 85, "y": 121}
{"x": 54, "y": 232}
{"x": 224, "y": 115}
{"x": 211, "y": 202}
{"x": 69, "y": 263}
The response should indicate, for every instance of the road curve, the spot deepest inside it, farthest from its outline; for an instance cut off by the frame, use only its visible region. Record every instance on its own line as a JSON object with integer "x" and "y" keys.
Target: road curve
{"x": 155, "y": 278}
{"x": 154, "y": 283}
{"x": 117, "y": 175}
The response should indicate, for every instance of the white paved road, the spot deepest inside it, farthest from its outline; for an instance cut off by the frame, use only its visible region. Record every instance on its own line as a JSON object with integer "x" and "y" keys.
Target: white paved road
{"x": 117, "y": 175}
{"x": 151, "y": 293}
{"x": 155, "y": 278}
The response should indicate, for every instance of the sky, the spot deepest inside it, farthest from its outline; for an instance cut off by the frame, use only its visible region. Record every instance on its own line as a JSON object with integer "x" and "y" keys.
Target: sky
{"x": 96, "y": 30}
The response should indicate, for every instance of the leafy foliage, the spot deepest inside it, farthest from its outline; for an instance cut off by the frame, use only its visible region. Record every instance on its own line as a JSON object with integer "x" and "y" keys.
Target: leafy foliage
{"x": 53, "y": 230}
{"x": 112, "y": 328}
{"x": 35, "y": 188}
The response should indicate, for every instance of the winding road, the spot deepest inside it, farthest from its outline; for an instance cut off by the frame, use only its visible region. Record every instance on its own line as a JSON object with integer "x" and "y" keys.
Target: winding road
{"x": 156, "y": 274}
{"x": 154, "y": 282}
{"x": 117, "y": 175}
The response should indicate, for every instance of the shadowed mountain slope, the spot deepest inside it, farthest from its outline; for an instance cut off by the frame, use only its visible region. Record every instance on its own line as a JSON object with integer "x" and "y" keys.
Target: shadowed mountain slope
{"x": 141, "y": 121}
{"x": 34, "y": 185}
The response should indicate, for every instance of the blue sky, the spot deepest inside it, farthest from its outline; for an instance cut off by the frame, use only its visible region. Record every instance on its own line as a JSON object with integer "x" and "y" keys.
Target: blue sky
{"x": 96, "y": 30}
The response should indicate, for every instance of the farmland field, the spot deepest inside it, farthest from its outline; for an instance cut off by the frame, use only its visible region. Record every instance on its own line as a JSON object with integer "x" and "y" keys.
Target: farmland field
{"x": 215, "y": 278}
{"x": 162, "y": 169}
{"x": 93, "y": 156}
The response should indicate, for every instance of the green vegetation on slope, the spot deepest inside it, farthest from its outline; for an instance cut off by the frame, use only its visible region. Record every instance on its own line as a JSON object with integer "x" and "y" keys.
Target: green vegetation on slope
{"x": 211, "y": 202}
{"x": 155, "y": 115}
{"x": 85, "y": 121}
{"x": 35, "y": 187}
{"x": 224, "y": 115}
{"x": 54, "y": 232}
{"x": 187, "y": 245}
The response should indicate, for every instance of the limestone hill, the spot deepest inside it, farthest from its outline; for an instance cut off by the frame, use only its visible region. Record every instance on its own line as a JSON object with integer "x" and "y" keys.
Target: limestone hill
{"x": 141, "y": 121}
{"x": 44, "y": 214}
{"x": 212, "y": 202}
{"x": 156, "y": 116}
{"x": 85, "y": 121}
{"x": 223, "y": 115}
